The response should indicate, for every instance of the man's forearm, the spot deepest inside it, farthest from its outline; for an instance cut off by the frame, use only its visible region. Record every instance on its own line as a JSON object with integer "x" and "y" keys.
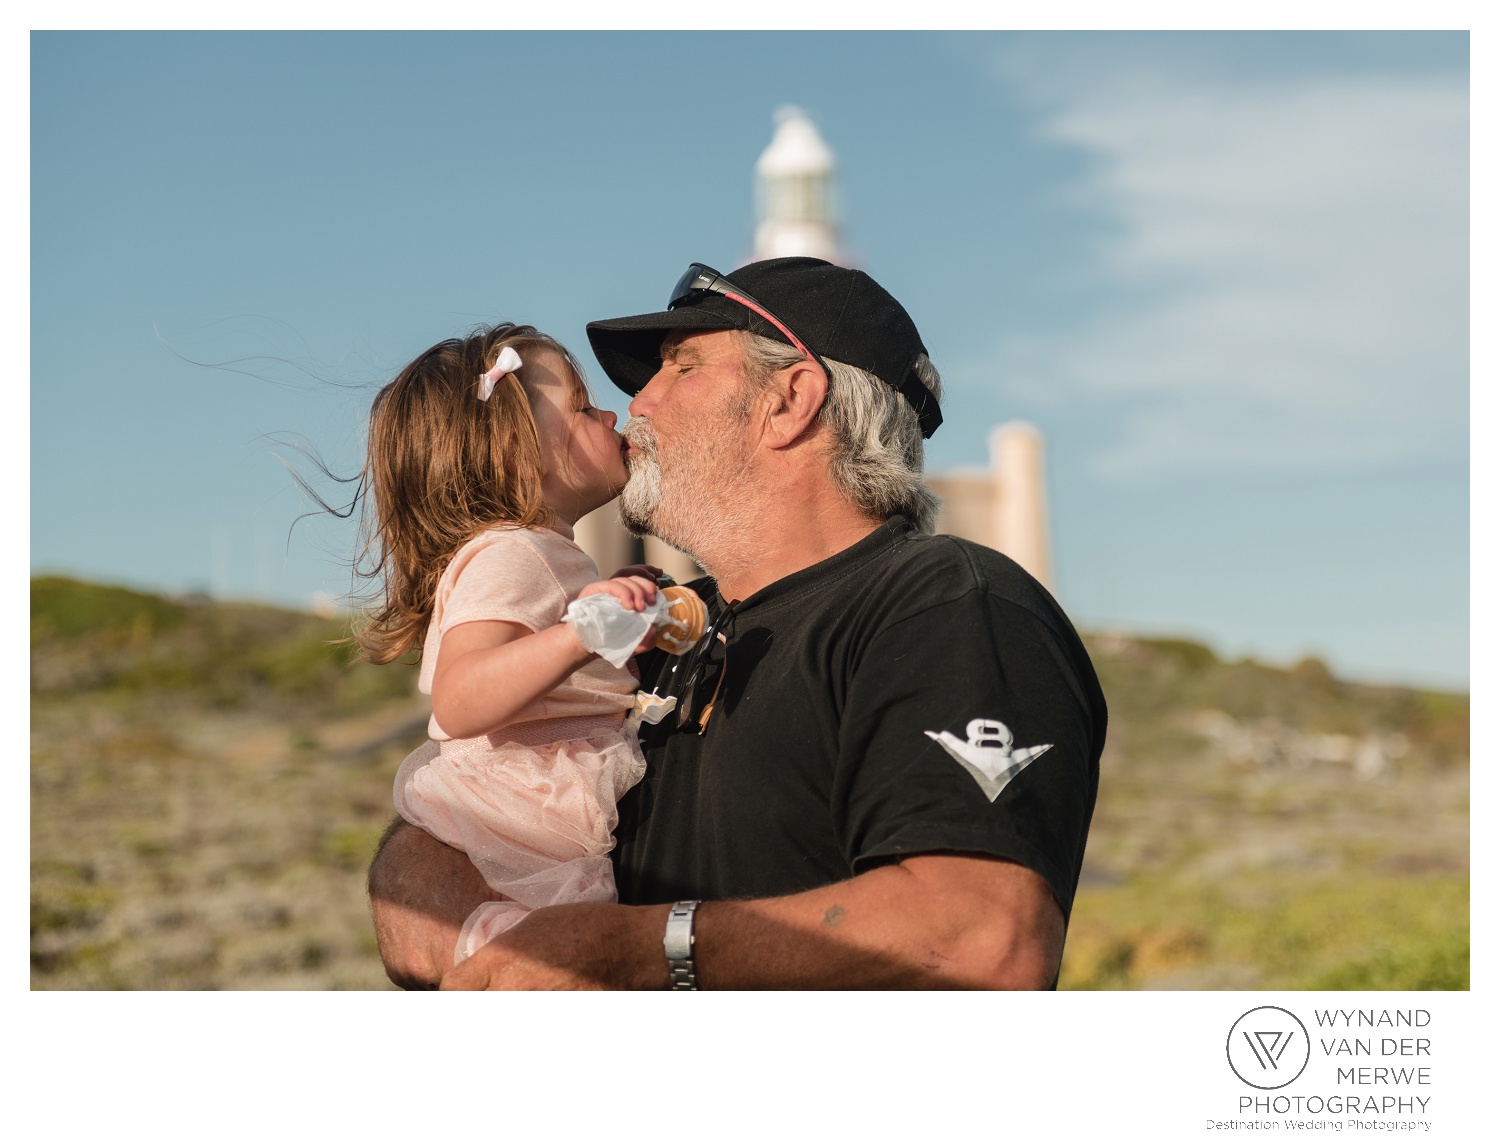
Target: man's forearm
{"x": 932, "y": 921}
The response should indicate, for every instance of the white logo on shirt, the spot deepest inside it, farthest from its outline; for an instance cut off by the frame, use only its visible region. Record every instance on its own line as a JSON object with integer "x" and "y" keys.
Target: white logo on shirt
{"x": 988, "y": 753}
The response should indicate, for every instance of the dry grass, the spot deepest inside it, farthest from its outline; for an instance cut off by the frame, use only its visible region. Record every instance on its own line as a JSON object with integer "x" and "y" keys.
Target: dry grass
{"x": 207, "y": 786}
{"x": 208, "y": 852}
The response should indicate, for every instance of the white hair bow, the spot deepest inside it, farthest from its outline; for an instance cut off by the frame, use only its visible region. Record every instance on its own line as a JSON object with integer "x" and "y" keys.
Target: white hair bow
{"x": 508, "y": 361}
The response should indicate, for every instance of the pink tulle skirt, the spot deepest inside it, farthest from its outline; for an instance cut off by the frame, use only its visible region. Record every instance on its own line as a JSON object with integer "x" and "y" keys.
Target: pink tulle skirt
{"x": 536, "y": 819}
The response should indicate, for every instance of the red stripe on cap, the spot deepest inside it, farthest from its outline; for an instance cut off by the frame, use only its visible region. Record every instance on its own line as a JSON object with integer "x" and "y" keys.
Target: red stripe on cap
{"x": 796, "y": 344}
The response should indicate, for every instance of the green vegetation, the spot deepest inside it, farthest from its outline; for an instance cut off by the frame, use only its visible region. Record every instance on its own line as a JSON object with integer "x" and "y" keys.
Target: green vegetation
{"x": 1276, "y": 828}
{"x": 117, "y": 643}
{"x": 1282, "y": 931}
{"x": 209, "y": 780}
{"x": 1149, "y": 682}
{"x": 63, "y": 608}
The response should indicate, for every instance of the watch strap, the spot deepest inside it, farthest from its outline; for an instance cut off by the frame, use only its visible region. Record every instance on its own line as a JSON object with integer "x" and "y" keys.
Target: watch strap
{"x": 677, "y": 942}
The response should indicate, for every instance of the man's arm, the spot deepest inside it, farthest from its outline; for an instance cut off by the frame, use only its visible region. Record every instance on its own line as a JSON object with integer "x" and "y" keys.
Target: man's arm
{"x": 938, "y": 921}
{"x": 421, "y": 891}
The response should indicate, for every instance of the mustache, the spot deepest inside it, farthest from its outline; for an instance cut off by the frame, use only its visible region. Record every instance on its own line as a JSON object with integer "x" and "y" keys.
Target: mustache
{"x": 640, "y": 435}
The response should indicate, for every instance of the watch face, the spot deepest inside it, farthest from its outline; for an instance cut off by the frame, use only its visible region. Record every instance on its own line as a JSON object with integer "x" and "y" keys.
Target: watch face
{"x": 677, "y": 940}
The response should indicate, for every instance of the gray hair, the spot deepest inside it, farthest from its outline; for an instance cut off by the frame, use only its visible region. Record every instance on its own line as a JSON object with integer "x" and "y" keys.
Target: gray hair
{"x": 876, "y": 454}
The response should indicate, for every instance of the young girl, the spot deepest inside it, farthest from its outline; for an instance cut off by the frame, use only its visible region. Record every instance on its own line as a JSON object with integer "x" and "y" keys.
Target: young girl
{"x": 483, "y": 453}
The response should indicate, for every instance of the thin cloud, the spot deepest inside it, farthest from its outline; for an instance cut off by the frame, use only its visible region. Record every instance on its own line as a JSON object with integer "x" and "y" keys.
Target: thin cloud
{"x": 1288, "y": 264}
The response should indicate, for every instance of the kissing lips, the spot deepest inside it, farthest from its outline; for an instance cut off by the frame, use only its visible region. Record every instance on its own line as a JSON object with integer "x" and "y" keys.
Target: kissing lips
{"x": 639, "y": 441}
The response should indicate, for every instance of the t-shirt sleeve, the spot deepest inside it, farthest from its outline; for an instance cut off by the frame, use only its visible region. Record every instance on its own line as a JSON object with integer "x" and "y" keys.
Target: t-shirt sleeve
{"x": 505, "y": 580}
{"x": 970, "y": 727}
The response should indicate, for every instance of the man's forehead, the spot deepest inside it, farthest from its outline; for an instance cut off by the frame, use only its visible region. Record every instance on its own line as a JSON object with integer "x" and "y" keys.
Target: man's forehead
{"x": 698, "y": 343}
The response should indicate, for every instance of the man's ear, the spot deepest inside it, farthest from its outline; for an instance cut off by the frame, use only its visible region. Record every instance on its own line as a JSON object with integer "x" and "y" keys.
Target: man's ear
{"x": 794, "y": 397}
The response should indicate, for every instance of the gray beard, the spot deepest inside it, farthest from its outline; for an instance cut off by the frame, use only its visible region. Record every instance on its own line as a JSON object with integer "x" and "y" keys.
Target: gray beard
{"x": 641, "y": 497}
{"x": 692, "y": 502}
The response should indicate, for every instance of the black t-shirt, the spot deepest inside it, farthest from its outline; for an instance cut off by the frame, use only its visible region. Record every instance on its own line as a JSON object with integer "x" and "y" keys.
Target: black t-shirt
{"x": 913, "y": 693}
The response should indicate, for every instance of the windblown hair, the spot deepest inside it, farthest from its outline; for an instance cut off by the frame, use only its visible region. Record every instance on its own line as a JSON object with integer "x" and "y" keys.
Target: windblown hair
{"x": 875, "y": 457}
{"x": 442, "y": 466}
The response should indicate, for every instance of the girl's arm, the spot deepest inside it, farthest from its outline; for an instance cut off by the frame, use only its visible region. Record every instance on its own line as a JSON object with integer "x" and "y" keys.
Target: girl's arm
{"x": 487, "y": 672}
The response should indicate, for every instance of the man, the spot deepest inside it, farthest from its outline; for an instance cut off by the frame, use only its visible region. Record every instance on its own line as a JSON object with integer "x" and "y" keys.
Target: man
{"x": 880, "y": 768}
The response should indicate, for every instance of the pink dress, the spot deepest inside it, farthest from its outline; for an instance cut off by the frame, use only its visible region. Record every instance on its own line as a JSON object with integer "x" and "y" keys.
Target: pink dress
{"x": 532, "y": 804}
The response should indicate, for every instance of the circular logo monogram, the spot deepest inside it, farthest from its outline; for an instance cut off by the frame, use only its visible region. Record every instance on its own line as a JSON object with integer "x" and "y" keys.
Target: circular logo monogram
{"x": 1268, "y": 1047}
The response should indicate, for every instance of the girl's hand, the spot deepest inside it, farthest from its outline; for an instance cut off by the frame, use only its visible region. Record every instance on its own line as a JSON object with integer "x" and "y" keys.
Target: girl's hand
{"x": 639, "y": 570}
{"x": 634, "y": 592}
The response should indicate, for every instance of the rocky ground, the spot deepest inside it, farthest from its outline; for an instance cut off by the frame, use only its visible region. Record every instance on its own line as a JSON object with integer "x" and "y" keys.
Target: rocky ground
{"x": 208, "y": 782}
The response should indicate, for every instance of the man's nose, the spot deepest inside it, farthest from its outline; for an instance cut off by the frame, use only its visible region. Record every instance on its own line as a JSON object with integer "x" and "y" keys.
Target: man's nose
{"x": 644, "y": 401}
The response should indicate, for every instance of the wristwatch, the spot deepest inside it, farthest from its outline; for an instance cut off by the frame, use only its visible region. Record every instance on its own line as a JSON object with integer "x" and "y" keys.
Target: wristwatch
{"x": 677, "y": 942}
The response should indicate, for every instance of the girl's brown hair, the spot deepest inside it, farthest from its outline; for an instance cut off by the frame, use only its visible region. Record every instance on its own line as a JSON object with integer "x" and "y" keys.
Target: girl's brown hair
{"x": 441, "y": 467}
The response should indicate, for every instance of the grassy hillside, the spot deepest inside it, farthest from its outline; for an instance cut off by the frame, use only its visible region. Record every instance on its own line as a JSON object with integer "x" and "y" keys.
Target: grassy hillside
{"x": 1261, "y": 827}
{"x": 207, "y": 785}
{"x": 208, "y": 781}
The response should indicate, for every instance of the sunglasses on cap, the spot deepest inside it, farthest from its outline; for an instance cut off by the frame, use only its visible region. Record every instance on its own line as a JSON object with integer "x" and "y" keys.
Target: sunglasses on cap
{"x": 693, "y": 682}
{"x": 699, "y": 278}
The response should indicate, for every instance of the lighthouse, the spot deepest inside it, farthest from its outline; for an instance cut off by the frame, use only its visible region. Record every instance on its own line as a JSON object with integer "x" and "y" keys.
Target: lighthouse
{"x": 796, "y": 208}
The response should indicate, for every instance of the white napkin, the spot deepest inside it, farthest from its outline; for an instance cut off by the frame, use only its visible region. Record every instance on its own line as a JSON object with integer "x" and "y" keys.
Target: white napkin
{"x": 607, "y": 628}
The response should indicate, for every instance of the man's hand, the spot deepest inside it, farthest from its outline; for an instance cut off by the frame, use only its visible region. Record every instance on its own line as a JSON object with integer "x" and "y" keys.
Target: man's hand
{"x": 639, "y": 570}
{"x": 574, "y": 946}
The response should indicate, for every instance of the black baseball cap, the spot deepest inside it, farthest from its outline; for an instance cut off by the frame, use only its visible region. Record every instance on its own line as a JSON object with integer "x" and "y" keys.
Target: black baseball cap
{"x": 837, "y": 313}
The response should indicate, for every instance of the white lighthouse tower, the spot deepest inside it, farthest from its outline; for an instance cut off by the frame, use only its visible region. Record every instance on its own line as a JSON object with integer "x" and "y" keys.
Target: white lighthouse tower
{"x": 795, "y": 206}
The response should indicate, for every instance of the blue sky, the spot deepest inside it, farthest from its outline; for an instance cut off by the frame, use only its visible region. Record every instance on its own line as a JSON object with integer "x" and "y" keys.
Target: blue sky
{"x": 1225, "y": 273}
